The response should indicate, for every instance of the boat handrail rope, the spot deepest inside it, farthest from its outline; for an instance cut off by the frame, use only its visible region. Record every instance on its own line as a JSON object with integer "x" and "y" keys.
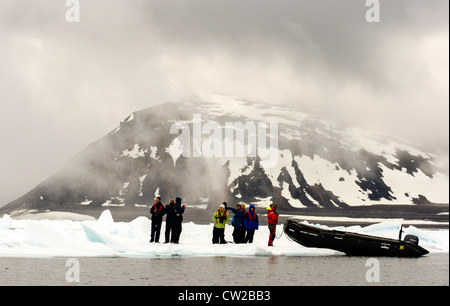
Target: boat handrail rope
{"x": 282, "y": 231}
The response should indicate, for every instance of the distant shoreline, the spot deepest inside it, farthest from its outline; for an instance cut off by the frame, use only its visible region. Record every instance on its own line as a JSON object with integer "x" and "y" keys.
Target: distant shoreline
{"x": 433, "y": 216}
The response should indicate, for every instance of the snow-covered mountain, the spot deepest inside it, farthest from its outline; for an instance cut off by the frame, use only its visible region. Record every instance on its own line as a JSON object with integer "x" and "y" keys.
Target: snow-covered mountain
{"x": 315, "y": 162}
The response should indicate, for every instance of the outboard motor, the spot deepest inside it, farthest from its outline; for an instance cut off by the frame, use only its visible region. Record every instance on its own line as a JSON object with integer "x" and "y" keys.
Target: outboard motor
{"x": 412, "y": 240}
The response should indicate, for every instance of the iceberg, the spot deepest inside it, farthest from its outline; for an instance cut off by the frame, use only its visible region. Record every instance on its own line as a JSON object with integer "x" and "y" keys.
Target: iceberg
{"x": 106, "y": 238}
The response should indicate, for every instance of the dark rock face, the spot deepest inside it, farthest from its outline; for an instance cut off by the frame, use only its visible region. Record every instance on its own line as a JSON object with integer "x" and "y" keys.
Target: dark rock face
{"x": 132, "y": 164}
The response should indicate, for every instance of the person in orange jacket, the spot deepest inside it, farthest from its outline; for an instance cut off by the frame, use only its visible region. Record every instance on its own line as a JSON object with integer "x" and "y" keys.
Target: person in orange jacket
{"x": 272, "y": 219}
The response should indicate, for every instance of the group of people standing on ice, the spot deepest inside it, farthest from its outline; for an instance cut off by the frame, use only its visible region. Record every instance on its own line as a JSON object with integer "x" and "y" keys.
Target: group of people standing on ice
{"x": 174, "y": 218}
{"x": 244, "y": 222}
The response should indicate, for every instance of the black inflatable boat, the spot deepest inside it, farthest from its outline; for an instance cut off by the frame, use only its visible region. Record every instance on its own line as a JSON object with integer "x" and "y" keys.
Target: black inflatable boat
{"x": 353, "y": 244}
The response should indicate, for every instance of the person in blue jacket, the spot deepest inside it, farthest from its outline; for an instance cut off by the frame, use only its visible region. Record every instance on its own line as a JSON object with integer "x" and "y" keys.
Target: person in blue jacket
{"x": 238, "y": 224}
{"x": 251, "y": 224}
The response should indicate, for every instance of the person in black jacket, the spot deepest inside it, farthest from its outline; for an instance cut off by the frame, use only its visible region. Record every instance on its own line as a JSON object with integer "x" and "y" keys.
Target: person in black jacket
{"x": 170, "y": 216}
{"x": 177, "y": 220}
{"x": 157, "y": 211}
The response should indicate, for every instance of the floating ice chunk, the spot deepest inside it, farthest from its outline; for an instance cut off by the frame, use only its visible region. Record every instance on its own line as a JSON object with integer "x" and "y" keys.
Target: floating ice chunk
{"x": 140, "y": 228}
{"x": 104, "y": 237}
{"x": 5, "y": 222}
{"x": 41, "y": 234}
{"x": 387, "y": 229}
{"x": 106, "y": 218}
{"x": 96, "y": 236}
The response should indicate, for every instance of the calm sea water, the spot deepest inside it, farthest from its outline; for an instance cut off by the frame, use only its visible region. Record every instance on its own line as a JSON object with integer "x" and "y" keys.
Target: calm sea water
{"x": 432, "y": 269}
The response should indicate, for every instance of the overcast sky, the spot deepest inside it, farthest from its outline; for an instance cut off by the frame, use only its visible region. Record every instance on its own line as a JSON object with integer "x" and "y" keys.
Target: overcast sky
{"x": 64, "y": 85}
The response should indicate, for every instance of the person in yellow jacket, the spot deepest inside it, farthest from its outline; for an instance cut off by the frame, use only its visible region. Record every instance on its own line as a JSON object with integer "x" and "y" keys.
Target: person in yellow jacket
{"x": 220, "y": 217}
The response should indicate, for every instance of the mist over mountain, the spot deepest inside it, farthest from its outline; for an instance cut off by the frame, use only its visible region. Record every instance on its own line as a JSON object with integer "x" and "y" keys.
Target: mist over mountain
{"x": 319, "y": 163}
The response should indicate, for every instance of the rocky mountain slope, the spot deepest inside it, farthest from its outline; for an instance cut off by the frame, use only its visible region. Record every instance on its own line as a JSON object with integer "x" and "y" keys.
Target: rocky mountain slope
{"x": 314, "y": 162}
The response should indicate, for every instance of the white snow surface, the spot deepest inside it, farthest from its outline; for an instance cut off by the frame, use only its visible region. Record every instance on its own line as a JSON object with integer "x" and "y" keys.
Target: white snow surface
{"x": 105, "y": 238}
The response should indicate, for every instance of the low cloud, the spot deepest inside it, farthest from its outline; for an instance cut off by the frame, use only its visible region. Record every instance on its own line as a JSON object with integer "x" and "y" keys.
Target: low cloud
{"x": 64, "y": 85}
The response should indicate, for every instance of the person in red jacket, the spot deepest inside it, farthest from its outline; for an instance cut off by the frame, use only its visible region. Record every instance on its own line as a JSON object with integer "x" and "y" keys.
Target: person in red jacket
{"x": 272, "y": 219}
